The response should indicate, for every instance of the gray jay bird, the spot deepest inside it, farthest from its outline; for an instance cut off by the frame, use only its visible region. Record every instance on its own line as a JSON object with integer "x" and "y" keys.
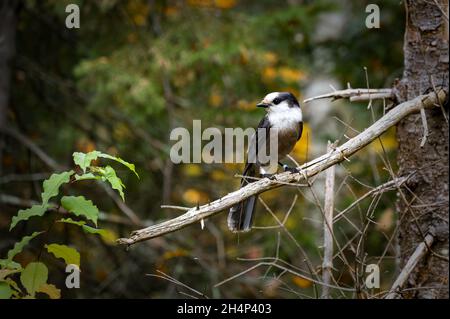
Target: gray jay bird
{"x": 284, "y": 117}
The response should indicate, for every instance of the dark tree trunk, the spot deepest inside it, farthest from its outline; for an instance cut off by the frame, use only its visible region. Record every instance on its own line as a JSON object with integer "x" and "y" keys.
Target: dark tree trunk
{"x": 423, "y": 203}
{"x": 8, "y": 20}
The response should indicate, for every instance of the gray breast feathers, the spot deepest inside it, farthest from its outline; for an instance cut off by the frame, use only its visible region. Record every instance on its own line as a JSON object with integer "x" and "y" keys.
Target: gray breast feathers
{"x": 287, "y": 135}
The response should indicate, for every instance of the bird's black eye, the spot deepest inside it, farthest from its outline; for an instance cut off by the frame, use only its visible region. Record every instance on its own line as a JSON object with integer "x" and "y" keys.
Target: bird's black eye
{"x": 276, "y": 100}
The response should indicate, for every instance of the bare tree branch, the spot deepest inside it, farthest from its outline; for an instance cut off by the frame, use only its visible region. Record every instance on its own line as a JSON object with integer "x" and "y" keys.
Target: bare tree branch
{"x": 310, "y": 169}
{"x": 355, "y": 95}
{"x": 420, "y": 251}
{"x": 327, "y": 263}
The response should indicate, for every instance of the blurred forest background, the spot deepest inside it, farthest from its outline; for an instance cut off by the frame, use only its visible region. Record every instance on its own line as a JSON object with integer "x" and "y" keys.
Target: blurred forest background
{"x": 135, "y": 70}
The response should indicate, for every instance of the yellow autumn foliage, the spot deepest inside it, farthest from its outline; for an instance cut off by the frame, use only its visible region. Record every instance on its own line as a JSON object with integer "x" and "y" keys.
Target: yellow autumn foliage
{"x": 303, "y": 145}
{"x": 215, "y": 99}
{"x": 225, "y": 4}
{"x": 286, "y": 74}
{"x": 138, "y": 11}
{"x": 221, "y": 4}
{"x": 171, "y": 11}
{"x": 301, "y": 282}
{"x": 194, "y": 197}
{"x": 270, "y": 58}
{"x": 192, "y": 170}
{"x": 290, "y": 74}
{"x": 388, "y": 142}
{"x": 269, "y": 74}
{"x": 218, "y": 175}
{"x": 246, "y": 105}
{"x": 85, "y": 145}
{"x": 179, "y": 252}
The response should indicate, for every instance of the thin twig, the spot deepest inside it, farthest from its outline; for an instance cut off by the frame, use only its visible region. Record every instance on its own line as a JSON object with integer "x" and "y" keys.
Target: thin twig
{"x": 175, "y": 207}
{"x": 177, "y": 282}
{"x": 418, "y": 254}
{"x": 423, "y": 117}
{"x": 287, "y": 270}
{"x": 388, "y": 186}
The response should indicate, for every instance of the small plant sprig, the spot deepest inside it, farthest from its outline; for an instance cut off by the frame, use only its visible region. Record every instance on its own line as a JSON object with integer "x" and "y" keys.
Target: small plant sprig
{"x": 33, "y": 277}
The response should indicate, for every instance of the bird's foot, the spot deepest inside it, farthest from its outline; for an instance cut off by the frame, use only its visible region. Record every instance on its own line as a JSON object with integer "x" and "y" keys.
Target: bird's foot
{"x": 269, "y": 176}
{"x": 290, "y": 169}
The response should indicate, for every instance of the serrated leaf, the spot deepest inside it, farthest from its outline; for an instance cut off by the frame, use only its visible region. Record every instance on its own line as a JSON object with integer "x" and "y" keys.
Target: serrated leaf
{"x": 5, "y": 290}
{"x": 51, "y": 185}
{"x": 83, "y": 160}
{"x": 80, "y": 206}
{"x": 116, "y": 183}
{"x": 71, "y": 221}
{"x": 5, "y": 263}
{"x": 25, "y": 214}
{"x": 19, "y": 245}
{"x": 92, "y": 230}
{"x": 70, "y": 255}
{"x": 34, "y": 276}
{"x": 50, "y": 290}
{"x": 130, "y": 166}
{"x": 87, "y": 176}
{"x": 105, "y": 234}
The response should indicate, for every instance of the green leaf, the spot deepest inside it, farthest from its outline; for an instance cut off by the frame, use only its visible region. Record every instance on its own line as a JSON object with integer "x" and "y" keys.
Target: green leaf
{"x": 70, "y": 255}
{"x": 92, "y": 230}
{"x": 19, "y": 245}
{"x": 6, "y": 272}
{"x": 71, "y": 221}
{"x": 84, "y": 160}
{"x": 121, "y": 161}
{"x": 34, "y": 276}
{"x": 50, "y": 290}
{"x": 82, "y": 224}
{"x": 80, "y": 207}
{"x": 5, "y": 263}
{"x": 14, "y": 285}
{"x": 51, "y": 185}
{"x": 86, "y": 176}
{"x": 116, "y": 183}
{"x": 5, "y": 290}
{"x": 25, "y": 214}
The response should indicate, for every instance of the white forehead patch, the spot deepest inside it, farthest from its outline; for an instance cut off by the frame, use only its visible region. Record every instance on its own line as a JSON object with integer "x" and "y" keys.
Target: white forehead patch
{"x": 271, "y": 96}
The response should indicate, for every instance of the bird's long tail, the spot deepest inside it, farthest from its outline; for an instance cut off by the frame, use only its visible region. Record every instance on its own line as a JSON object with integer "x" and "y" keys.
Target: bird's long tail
{"x": 240, "y": 217}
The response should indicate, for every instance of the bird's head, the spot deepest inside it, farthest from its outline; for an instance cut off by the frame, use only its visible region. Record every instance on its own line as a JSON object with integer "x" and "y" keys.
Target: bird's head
{"x": 279, "y": 102}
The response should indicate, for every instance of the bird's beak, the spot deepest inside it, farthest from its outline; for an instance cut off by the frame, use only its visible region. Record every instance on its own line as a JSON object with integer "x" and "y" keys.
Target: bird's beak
{"x": 263, "y": 104}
